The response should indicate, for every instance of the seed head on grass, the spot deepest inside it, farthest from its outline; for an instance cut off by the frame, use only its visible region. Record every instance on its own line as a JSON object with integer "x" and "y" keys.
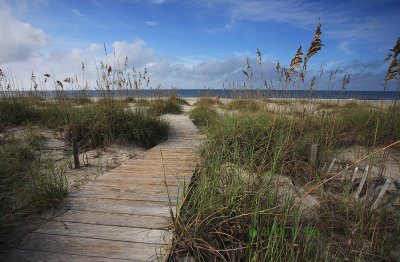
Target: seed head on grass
{"x": 259, "y": 55}
{"x": 296, "y": 61}
{"x": 345, "y": 82}
{"x": 315, "y": 46}
{"x": 278, "y": 68}
{"x": 312, "y": 84}
{"x": 394, "y": 67}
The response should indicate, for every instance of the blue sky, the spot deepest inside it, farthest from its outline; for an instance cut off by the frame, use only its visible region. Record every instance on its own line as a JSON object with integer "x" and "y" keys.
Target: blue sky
{"x": 197, "y": 43}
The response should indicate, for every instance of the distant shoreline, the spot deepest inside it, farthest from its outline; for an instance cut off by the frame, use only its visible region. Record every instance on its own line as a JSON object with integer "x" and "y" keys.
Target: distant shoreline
{"x": 223, "y": 93}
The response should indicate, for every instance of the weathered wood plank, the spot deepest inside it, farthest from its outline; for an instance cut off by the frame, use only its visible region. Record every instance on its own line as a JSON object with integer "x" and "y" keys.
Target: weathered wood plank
{"x": 132, "y": 187}
{"x": 101, "y": 218}
{"x": 90, "y": 247}
{"x": 363, "y": 179}
{"x": 106, "y": 194}
{"x": 128, "y": 234}
{"x": 144, "y": 208}
{"x": 19, "y": 255}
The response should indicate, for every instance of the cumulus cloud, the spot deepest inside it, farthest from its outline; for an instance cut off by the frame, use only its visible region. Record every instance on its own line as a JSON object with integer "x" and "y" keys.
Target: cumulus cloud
{"x": 137, "y": 52}
{"x": 21, "y": 51}
{"x": 19, "y": 41}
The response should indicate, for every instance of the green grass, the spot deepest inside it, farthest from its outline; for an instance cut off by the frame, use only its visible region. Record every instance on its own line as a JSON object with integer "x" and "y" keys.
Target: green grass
{"x": 203, "y": 115}
{"x": 94, "y": 124}
{"x": 160, "y": 107}
{"x": 29, "y": 180}
{"x": 178, "y": 100}
{"x": 243, "y": 104}
{"x": 206, "y": 101}
{"x": 234, "y": 209}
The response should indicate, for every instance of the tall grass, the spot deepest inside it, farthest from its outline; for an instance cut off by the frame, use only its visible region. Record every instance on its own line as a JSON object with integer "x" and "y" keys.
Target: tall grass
{"x": 243, "y": 104}
{"x": 203, "y": 115}
{"x": 29, "y": 180}
{"x": 170, "y": 106}
{"x": 249, "y": 199}
{"x": 237, "y": 210}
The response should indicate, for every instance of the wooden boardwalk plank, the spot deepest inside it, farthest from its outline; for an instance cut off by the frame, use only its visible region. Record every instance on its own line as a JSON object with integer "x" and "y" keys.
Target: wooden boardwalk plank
{"x": 140, "y": 235}
{"x": 112, "y": 219}
{"x": 108, "y": 194}
{"x": 19, "y": 255}
{"x": 91, "y": 247}
{"x": 125, "y": 214}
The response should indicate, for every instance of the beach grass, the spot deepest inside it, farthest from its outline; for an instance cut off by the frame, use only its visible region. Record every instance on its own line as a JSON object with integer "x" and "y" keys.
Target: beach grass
{"x": 237, "y": 210}
{"x": 161, "y": 106}
{"x": 256, "y": 194}
{"x": 30, "y": 180}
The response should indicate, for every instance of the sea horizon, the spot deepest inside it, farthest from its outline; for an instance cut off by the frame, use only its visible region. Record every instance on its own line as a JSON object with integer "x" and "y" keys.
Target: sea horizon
{"x": 223, "y": 93}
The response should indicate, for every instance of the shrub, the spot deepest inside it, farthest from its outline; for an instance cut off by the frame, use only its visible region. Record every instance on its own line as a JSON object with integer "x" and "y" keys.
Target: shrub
{"x": 15, "y": 111}
{"x": 160, "y": 107}
{"x": 243, "y": 104}
{"x": 206, "y": 101}
{"x": 203, "y": 115}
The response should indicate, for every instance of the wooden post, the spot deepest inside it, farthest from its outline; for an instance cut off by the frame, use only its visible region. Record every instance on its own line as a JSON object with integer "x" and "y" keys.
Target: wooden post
{"x": 360, "y": 187}
{"x": 314, "y": 155}
{"x": 353, "y": 177}
{"x": 331, "y": 166}
{"x": 381, "y": 193}
{"x": 75, "y": 150}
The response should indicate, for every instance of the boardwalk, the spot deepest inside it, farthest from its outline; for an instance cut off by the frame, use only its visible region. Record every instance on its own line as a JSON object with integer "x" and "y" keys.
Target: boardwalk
{"x": 125, "y": 213}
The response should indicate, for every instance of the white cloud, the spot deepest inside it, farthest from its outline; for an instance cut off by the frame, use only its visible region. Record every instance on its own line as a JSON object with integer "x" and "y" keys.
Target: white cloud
{"x": 77, "y": 13}
{"x": 151, "y": 23}
{"x": 138, "y": 54}
{"x": 18, "y": 40}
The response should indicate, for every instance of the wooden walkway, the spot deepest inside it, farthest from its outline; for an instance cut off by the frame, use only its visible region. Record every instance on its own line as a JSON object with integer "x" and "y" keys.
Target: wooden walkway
{"x": 123, "y": 215}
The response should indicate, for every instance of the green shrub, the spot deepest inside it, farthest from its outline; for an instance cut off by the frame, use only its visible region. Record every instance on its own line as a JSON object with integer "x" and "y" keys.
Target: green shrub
{"x": 161, "y": 107}
{"x": 15, "y": 111}
{"x": 243, "y": 104}
{"x": 203, "y": 115}
{"x": 102, "y": 124}
{"x": 206, "y": 101}
{"x": 178, "y": 100}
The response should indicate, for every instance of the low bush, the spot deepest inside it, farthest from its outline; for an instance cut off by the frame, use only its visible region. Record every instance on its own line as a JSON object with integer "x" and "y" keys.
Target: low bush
{"x": 206, "y": 101}
{"x": 160, "y": 107}
{"x": 243, "y": 104}
{"x": 203, "y": 115}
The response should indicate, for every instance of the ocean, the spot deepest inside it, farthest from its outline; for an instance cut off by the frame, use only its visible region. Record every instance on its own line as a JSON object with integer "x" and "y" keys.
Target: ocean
{"x": 225, "y": 93}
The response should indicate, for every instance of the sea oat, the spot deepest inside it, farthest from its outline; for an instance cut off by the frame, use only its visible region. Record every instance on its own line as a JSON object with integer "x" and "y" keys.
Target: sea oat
{"x": 315, "y": 46}
{"x": 259, "y": 55}
{"x": 345, "y": 82}
{"x": 296, "y": 61}
{"x": 394, "y": 67}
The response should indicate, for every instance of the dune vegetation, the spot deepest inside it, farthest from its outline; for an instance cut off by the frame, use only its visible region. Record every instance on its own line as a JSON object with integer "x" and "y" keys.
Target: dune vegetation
{"x": 257, "y": 195}
{"x": 31, "y": 178}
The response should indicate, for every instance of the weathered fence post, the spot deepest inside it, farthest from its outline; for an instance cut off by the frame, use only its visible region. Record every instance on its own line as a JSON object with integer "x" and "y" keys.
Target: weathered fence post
{"x": 314, "y": 158}
{"x": 360, "y": 187}
{"x": 75, "y": 150}
{"x": 381, "y": 193}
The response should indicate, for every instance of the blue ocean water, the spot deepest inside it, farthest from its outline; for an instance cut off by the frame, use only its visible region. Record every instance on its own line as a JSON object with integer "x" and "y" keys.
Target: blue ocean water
{"x": 320, "y": 94}
{"x": 228, "y": 93}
